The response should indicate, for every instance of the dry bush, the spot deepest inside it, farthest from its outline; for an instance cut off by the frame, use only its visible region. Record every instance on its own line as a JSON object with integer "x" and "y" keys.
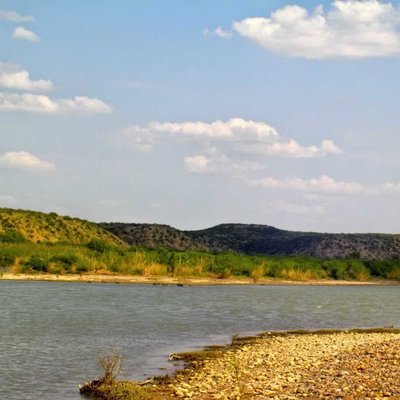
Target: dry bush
{"x": 394, "y": 274}
{"x": 257, "y": 272}
{"x": 16, "y": 266}
{"x": 155, "y": 269}
{"x": 189, "y": 270}
{"x": 111, "y": 364}
{"x": 298, "y": 275}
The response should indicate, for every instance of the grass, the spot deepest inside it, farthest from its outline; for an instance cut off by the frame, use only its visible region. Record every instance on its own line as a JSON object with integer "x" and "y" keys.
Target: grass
{"x": 108, "y": 388}
{"x": 62, "y": 258}
{"x": 123, "y": 390}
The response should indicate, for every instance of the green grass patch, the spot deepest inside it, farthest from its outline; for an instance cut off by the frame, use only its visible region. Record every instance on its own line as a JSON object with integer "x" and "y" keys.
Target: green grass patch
{"x": 97, "y": 257}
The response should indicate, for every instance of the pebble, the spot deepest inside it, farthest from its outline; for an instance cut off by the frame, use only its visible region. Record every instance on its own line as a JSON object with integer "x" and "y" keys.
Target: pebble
{"x": 343, "y": 366}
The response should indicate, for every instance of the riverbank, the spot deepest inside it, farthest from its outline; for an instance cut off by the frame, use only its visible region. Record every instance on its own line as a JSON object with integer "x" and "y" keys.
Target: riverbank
{"x": 359, "y": 364}
{"x": 185, "y": 281}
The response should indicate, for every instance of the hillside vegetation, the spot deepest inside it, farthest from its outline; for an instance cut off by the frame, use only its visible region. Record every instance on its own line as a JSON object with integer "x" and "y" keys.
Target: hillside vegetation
{"x": 28, "y": 257}
{"x": 261, "y": 239}
{"x": 34, "y": 226}
{"x": 34, "y": 242}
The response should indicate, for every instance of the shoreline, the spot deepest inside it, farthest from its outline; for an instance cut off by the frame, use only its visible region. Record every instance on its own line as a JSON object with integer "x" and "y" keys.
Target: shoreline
{"x": 341, "y": 364}
{"x": 185, "y": 281}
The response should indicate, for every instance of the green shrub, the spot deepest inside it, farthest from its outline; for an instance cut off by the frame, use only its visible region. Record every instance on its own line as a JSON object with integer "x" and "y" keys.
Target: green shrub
{"x": 66, "y": 259}
{"x": 12, "y": 236}
{"x": 6, "y": 261}
{"x": 98, "y": 245}
{"x": 37, "y": 263}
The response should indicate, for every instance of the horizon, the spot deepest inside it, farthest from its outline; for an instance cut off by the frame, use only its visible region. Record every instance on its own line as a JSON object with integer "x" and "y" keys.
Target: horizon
{"x": 191, "y": 115}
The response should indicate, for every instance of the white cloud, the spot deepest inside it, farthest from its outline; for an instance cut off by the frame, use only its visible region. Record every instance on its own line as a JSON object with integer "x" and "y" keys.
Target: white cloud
{"x": 390, "y": 187}
{"x": 235, "y": 129}
{"x": 24, "y": 34}
{"x": 324, "y": 184}
{"x": 13, "y": 77}
{"x": 350, "y": 29}
{"x": 213, "y": 161}
{"x": 247, "y": 136}
{"x": 290, "y": 148}
{"x": 25, "y": 161}
{"x": 12, "y": 16}
{"x": 83, "y": 104}
{"x": 137, "y": 138}
{"x": 218, "y": 31}
{"x": 329, "y": 147}
{"x": 28, "y": 102}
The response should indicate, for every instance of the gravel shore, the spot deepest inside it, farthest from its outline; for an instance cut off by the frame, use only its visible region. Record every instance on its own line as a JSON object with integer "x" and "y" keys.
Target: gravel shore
{"x": 324, "y": 365}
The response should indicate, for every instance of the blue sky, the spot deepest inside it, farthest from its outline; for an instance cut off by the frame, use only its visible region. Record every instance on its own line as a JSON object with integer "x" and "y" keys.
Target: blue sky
{"x": 197, "y": 113}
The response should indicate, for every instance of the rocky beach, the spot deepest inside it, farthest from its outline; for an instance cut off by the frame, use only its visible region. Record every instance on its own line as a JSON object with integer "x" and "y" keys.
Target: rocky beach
{"x": 298, "y": 365}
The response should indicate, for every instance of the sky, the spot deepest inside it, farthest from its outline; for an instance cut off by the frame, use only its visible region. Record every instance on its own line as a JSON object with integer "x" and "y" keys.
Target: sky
{"x": 192, "y": 114}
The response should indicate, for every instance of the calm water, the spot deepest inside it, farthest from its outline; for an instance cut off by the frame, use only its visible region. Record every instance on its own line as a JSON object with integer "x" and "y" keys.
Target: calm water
{"x": 51, "y": 333}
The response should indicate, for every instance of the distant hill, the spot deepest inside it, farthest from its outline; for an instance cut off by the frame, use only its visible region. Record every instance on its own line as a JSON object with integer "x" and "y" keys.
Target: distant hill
{"x": 153, "y": 236}
{"x": 260, "y": 239}
{"x": 248, "y": 239}
{"x": 49, "y": 227}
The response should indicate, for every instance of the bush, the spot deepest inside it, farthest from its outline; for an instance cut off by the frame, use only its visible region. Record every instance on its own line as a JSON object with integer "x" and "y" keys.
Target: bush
{"x": 37, "y": 264}
{"x": 98, "y": 245}
{"x": 66, "y": 259}
{"x": 6, "y": 261}
{"x": 12, "y": 236}
{"x": 256, "y": 273}
{"x": 111, "y": 364}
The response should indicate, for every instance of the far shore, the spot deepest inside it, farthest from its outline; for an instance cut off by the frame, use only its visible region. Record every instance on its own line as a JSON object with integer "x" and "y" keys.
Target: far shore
{"x": 184, "y": 281}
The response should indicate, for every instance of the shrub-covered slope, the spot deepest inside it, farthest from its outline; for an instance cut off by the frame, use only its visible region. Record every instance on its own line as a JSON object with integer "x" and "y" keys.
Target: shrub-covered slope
{"x": 260, "y": 239}
{"x": 19, "y": 225}
{"x": 153, "y": 236}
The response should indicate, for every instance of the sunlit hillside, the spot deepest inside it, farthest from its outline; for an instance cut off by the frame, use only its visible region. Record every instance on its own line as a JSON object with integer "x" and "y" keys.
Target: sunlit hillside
{"x": 42, "y": 227}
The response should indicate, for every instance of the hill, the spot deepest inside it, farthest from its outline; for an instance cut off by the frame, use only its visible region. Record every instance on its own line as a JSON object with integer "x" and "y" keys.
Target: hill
{"x": 34, "y": 226}
{"x": 153, "y": 236}
{"x": 260, "y": 239}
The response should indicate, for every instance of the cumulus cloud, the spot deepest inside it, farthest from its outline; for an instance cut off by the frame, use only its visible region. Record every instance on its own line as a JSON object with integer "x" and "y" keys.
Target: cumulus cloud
{"x": 324, "y": 184}
{"x": 24, "y": 34}
{"x": 137, "y": 138}
{"x": 13, "y": 77}
{"x": 218, "y": 31}
{"x": 213, "y": 161}
{"x": 247, "y": 136}
{"x": 391, "y": 187}
{"x": 235, "y": 129}
{"x": 23, "y": 160}
{"x": 12, "y": 16}
{"x": 28, "y": 102}
{"x": 350, "y": 29}
{"x": 290, "y": 148}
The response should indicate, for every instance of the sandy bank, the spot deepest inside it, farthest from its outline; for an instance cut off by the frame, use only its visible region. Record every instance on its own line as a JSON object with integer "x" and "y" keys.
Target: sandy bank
{"x": 336, "y": 365}
{"x": 167, "y": 280}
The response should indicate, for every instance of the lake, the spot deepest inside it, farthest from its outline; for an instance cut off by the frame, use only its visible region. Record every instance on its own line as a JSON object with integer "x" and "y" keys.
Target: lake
{"x": 52, "y": 333}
